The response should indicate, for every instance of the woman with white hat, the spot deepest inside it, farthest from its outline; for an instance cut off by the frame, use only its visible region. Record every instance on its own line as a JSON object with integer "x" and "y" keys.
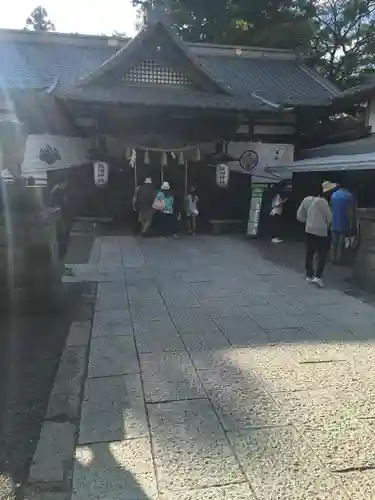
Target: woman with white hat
{"x": 315, "y": 213}
{"x": 164, "y": 204}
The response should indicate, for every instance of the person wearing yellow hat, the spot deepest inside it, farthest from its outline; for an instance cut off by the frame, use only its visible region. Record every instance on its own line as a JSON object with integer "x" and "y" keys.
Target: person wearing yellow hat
{"x": 328, "y": 187}
{"x": 315, "y": 213}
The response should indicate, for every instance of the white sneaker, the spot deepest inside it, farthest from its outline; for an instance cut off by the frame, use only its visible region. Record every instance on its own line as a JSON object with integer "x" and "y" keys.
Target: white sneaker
{"x": 308, "y": 279}
{"x": 318, "y": 282}
{"x": 276, "y": 240}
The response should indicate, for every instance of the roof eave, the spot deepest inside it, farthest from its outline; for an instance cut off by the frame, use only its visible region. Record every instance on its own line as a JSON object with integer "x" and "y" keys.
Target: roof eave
{"x": 137, "y": 41}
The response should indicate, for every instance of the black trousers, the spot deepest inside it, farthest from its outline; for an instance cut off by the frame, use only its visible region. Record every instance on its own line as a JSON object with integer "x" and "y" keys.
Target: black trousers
{"x": 275, "y": 223}
{"x": 168, "y": 224}
{"x": 316, "y": 245}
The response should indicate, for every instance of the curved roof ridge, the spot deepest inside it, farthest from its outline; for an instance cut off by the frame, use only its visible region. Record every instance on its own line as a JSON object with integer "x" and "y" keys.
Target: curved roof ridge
{"x": 137, "y": 41}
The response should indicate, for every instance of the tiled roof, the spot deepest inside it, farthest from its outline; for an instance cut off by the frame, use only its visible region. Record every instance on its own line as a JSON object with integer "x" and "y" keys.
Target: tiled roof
{"x": 35, "y": 61}
{"x": 281, "y": 81}
{"x": 153, "y": 96}
{"x": 38, "y": 64}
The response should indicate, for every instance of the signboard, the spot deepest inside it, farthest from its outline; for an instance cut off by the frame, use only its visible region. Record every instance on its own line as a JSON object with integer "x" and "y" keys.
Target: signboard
{"x": 257, "y": 193}
{"x": 101, "y": 173}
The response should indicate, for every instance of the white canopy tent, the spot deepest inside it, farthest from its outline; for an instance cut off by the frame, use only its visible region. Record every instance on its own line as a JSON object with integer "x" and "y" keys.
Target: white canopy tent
{"x": 334, "y": 163}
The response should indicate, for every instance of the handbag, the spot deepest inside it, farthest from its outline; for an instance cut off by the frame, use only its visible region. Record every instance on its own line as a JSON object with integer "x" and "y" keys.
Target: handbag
{"x": 158, "y": 205}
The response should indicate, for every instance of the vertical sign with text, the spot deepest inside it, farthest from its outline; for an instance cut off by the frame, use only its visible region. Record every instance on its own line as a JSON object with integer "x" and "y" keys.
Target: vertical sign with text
{"x": 257, "y": 193}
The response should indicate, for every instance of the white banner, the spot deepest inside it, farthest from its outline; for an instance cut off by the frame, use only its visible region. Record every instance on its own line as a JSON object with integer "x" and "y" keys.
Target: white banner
{"x": 53, "y": 152}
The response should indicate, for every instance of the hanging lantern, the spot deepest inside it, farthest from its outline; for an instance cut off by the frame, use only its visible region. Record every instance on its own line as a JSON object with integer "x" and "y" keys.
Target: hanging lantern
{"x": 101, "y": 173}
{"x": 128, "y": 154}
{"x": 222, "y": 175}
{"x": 147, "y": 158}
{"x": 164, "y": 159}
{"x": 181, "y": 158}
{"x": 133, "y": 158}
{"x": 197, "y": 155}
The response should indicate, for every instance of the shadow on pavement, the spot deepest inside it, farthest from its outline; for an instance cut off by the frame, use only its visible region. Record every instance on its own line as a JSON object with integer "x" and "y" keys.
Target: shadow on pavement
{"x": 30, "y": 350}
{"x": 254, "y": 381}
{"x": 100, "y": 471}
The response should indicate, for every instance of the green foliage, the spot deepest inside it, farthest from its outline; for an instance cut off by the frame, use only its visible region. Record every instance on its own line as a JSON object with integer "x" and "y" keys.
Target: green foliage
{"x": 269, "y": 23}
{"x": 338, "y": 35}
{"x": 344, "y": 42}
{"x": 38, "y": 20}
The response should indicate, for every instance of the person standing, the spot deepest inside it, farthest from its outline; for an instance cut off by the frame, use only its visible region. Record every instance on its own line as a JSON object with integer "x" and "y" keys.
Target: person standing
{"x": 192, "y": 211}
{"x": 60, "y": 199}
{"x": 167, "y": 219}
{"x": 276, "y": 217}
{"x": 342, "y": 203}
{"x": 144, "y": 198}
{"x": 315, "y": 213}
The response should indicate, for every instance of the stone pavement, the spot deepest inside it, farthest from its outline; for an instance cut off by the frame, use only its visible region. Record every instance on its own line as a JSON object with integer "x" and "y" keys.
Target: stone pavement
{"x": 216, "y": 374}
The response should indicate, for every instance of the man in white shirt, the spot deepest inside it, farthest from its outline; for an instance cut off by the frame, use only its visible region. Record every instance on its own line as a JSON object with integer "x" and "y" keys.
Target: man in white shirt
{"x": 315, "y": 213}
{"x": 275, "y": 214}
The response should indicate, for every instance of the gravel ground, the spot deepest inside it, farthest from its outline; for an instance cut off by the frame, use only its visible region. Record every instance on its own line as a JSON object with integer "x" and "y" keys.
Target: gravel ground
{"x": 30, "y": 350}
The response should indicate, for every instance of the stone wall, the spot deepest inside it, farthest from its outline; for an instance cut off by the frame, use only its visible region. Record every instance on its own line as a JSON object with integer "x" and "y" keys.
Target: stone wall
{"x": 364, "y": 268}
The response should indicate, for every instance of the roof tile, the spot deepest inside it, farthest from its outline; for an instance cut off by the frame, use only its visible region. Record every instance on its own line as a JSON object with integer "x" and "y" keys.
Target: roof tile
{"x": 282, "y": 81}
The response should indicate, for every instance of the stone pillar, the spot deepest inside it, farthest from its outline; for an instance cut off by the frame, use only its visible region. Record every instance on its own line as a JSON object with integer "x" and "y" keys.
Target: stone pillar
{"x": 30, "y": 272}
{"x": 364, "y": 266}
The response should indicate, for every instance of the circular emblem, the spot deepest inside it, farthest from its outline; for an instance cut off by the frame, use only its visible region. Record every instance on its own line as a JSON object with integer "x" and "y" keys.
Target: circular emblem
{"x": 249, "y": 160}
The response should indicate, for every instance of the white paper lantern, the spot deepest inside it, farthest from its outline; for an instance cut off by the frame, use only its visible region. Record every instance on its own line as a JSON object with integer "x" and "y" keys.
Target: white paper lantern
{"x": 222, "y": 175}
{"x": 101, "y": 173}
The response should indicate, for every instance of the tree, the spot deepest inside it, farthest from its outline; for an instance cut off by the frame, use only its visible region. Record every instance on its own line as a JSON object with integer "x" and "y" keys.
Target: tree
{"x": 38, "y": 20}
{"x": 343, "y": 46}
{"x": 338, "y": 35}
{"x": 269, "y": 23}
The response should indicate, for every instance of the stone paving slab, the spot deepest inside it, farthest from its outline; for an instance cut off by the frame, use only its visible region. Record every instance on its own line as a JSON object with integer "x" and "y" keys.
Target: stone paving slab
{"x": 38, "y": 495}
{"x": 205, "y": 340}
{"x": 305, "y": 377}
{"x": 232, "y": 492}
{"x": 282, "y": 369}
{"x": 242, "y": 326}
{"x": 153, "y": 341}
{"x": 112, "y": 356}
{"x": 221, "y": 308}
{"x": 189, "y": 456}
{"x": 312, "y": 409}
{"x": 192, "y": 319}
{"x": 111, "y": 296}
{"x": 358, "y": 485}
{"x": 209, "y": 359}
{"x": 280, "y": 464}
{"x": 64, "y": 400}
{"x": 79, "y": 333}
{"x": 149, "y": 325}
{"x": 54, "y": 450}
{"x": 169, "y": 376}
{"x": 113, "y": 410}
{"x": 112, "y": 323}
{"x": 249, "y": 410}
{"x": 343, "y": 446}
{"x": 144, "y": 315}
{"x": 115, "y": 470}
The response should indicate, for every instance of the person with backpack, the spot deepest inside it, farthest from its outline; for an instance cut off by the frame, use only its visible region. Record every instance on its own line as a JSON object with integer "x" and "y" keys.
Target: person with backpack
{"x": 316, "y": 214}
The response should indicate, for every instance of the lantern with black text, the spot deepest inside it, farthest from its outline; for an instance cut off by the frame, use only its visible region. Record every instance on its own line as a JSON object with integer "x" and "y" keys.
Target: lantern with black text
{"x": 101, "y": 173}
{"x": 222, "y": 175}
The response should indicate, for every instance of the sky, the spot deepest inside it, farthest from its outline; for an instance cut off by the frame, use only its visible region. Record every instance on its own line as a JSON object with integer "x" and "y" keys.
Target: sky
{"x": 75, "y": 16}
